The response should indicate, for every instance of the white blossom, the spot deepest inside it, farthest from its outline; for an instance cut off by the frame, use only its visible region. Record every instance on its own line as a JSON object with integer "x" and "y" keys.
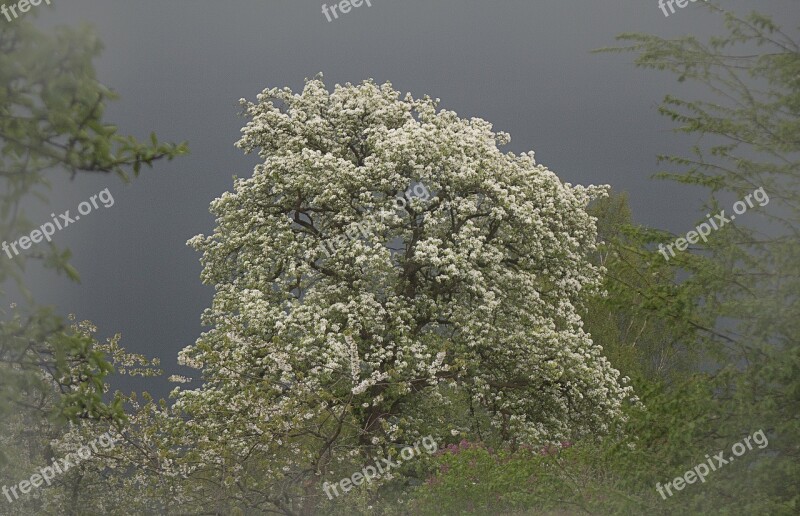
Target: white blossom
{"x": 335, "y": 304}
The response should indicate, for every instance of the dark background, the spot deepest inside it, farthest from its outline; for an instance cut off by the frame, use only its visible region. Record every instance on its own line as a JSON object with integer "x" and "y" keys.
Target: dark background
{"x": 180, "y": 67}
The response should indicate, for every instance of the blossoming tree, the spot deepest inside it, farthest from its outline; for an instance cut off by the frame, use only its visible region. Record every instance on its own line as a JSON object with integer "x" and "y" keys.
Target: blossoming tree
{"x": 316, "y": 358}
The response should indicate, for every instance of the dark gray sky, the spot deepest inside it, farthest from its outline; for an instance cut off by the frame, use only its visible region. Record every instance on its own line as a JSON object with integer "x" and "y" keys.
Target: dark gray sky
{"x": 181, "y": 66}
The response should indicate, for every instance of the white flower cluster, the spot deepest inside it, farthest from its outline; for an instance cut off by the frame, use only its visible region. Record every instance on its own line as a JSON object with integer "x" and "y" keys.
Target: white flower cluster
{"x": 483, "y": 293}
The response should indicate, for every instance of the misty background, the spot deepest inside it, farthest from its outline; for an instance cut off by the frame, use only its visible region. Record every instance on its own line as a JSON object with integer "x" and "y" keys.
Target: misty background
{"x": 181, "y": 66}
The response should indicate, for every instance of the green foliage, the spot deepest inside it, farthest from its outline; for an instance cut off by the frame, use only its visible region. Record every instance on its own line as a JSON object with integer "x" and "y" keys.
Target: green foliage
{"x": 52, "y": 119}
{"x": 733, "y": 299}
{"x": 474, "y": 479}
{"x": 640, "y": 321}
